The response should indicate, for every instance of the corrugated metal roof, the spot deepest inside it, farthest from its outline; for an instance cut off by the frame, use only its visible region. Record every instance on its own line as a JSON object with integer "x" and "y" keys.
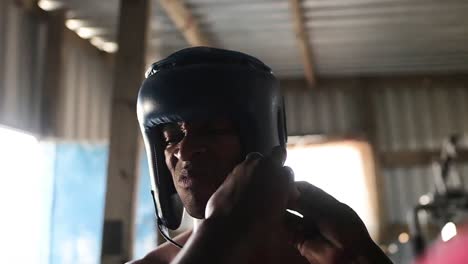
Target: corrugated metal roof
{"x": 348, "y": 37}
{"x": 261, "y": 28}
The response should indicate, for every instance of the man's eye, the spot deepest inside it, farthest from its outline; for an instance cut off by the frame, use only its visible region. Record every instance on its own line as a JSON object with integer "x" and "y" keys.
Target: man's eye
{"x": 173, "y": 140}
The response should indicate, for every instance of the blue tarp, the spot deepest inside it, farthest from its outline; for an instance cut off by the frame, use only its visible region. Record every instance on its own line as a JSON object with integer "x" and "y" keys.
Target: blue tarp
{"x": 78, "y": 205}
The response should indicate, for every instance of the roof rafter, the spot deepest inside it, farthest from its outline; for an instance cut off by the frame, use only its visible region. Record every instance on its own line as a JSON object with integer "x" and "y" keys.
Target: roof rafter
{"x": 185, "y": 22}
{"x": 302, "y": 38}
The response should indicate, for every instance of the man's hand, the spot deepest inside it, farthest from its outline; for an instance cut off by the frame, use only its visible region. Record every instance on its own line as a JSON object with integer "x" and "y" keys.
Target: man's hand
{"x": 332, "y": 232}
{"x": 251, "y": 205}
{"x": 248, "y": 205}
{"x": 255, "y": 194}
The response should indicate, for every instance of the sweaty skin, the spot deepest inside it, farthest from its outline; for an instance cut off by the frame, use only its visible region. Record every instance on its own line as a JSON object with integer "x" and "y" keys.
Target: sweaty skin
{"x": 241, "y": 203}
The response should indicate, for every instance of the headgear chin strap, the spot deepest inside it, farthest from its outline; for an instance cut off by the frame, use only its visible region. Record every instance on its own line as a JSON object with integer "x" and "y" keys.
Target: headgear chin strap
{"x": 204, "y": 83}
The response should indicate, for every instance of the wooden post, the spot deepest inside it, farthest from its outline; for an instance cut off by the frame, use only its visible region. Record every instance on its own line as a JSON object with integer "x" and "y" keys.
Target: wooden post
{"x": 122, "y": 175}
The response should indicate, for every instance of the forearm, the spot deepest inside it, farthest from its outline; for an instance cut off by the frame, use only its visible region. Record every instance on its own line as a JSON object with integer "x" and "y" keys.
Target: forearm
{"x": 216, "y": 241}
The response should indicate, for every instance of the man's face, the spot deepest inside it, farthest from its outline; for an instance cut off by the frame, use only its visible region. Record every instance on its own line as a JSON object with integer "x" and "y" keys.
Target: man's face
{"x": 199, "y": 156}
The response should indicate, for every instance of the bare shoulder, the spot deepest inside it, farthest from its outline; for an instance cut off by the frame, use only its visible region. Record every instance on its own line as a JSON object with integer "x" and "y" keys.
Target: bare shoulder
{"x": 165, "y": 253}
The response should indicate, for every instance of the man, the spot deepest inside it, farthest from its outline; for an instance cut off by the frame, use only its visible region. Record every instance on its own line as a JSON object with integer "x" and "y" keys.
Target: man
{"x": 214, "y": 129}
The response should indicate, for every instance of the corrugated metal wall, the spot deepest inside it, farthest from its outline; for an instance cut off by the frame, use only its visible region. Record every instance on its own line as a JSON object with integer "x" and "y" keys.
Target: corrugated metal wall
{"x": 404, "y": 186}
{"x": 82, "y": 109}
{"x": 22, "y": 45}
{"x": 411, "y": 114}
{"x": 415, "y": 114}
{"x": 331, "y": 109}
{"x": 85, "y": 95}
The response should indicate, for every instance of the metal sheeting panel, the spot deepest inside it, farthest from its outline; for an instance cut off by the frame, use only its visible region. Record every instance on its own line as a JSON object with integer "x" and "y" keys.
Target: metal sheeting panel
{"x": 348, "y": 37}
{"x": 417, "y": 114}
{"x": 410, "y": 113}
{"x": 357, "y": 37}
{"x": 164, "y": 38}
{"x": 261, "y": 28}
{"x": 102, "y": 15}
{"x": 22, "y": 45}
{"x": 85, "y": 96}
{"x": 404, "y": 186}
{"x": 366, "y": 37}
{"x": 330, "y": 110}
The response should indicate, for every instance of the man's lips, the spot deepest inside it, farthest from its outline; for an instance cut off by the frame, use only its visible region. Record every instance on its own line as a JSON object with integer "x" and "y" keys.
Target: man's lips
{"x": 186, "y": 179}
{"x": 185, "y": 182}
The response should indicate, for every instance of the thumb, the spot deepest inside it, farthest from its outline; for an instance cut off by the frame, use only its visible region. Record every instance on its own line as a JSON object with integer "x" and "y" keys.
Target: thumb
{"x": 294, "y": 192}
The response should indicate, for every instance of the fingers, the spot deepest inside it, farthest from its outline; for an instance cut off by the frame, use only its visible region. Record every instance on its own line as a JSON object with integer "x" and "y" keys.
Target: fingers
{"x": 294, "y": 193}
{"x": 269, "y": 165}
{"x": 242, "y": 173}
{"x": 320, "y": 251}
{"x": 315, "y": 199}
{"x": 231, "y": 190}
{"x": 278, "y": 155}
{"x": 252, "y": 156}
{"x": 337, "y": 222}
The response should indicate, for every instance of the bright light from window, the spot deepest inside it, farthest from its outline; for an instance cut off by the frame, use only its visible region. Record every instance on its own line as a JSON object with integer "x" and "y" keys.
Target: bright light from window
{"x": 23, "y": 225}
{"x": 448, "y": 231}
{"x": 339, "y": 170}
{"x": 49, "y": 5}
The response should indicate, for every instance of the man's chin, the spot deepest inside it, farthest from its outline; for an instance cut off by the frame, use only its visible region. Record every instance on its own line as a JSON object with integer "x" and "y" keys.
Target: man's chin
{"x": 195, "y": 201}
{"x": 195, "y": 207}
{"x": 196, "y": 213}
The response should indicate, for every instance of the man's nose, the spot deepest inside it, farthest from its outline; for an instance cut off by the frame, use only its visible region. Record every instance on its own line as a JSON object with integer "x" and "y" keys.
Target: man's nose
{"x": 189, "y": 147}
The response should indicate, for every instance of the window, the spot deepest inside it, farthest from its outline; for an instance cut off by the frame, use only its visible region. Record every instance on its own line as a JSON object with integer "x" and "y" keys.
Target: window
{"x": 25, "y": 199}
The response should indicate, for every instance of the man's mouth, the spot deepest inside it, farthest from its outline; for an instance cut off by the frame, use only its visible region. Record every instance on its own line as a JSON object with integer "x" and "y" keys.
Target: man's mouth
{"x": 185, "y": 182}
{"x": 185, "y": 179}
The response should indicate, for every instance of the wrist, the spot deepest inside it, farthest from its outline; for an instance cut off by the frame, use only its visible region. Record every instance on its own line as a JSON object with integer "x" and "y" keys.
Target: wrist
{"x": 235, "y": 228}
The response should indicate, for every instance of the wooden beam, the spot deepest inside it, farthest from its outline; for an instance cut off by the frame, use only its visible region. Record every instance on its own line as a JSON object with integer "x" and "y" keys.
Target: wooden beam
{"x": 124, "y": 149}
{"x": 412, "y": 158}
{"x": 185, "y": 22}
{"x": 302, "y": 37}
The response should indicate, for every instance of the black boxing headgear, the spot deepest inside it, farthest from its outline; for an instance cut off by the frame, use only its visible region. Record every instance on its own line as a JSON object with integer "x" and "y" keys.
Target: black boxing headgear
{"x": 203, "y": 83}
